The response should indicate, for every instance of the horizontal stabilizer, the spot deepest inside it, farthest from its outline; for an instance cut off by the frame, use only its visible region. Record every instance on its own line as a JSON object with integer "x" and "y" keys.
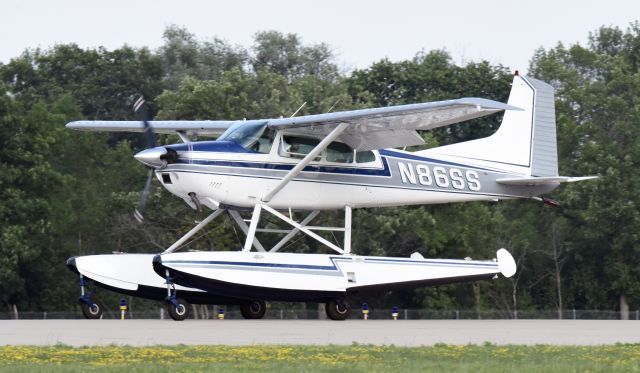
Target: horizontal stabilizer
{"x": 543, "y": 180}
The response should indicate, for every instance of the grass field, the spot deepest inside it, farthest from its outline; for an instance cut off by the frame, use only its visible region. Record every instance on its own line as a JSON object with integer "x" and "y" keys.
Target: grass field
{"x": 355, "y": 358}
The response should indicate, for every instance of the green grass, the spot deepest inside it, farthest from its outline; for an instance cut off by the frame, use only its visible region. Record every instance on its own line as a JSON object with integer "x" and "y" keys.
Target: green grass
{"x": 355, "y": 358}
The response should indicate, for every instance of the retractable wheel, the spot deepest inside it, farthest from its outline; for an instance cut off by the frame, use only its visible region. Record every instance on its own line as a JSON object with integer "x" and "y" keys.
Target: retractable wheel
{"x": 178, "y": 311}
{"x": 93, "y": 310}
{"x": 337, "y": 309}
{"x": 253, "y": 310}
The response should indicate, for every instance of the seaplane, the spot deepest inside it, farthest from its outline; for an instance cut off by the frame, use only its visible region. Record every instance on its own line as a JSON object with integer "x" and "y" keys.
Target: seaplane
{"x": 298, "y": 167}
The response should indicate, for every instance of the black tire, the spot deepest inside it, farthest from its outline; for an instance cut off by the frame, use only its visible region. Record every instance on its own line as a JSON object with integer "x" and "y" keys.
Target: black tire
{"x": 180, "y": 312}
{"x": 337, "y": 310}
{"x": 254, "y": 309}
{"x": 93, "y": 311}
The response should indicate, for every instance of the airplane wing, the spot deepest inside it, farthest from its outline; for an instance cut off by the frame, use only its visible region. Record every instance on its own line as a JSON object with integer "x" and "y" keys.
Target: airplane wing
{"x": 367, "y": 129}
{"x": 390, "y": 127}
{"x": 200, "y": 127}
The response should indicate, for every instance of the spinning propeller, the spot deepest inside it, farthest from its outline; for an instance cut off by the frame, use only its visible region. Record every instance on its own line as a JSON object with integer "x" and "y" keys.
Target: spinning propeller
{"x": 143, "y": 115}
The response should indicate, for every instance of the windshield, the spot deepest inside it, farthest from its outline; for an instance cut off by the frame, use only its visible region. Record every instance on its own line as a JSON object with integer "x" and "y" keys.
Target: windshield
{"x": 248, "y": 135}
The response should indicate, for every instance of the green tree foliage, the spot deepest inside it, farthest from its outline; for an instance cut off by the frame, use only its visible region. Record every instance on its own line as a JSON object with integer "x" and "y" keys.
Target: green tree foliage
{"x": 103, "y": 83}
{"x": 279, "y": 77}
{"x": 69, "y": 83}
{"x": 27, "y": 181}
{"x": 184, "y": 55}
{"x": 598, "y": 106}
{"x": 236, "y": 95}
{"x": 287, "y": 56}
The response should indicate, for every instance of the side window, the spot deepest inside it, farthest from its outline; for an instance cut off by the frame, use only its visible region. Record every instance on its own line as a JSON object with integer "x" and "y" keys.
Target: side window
{"x": 364, "y": 157}
{"x": 297, "y": 147}
{"x": 339, "y": 152}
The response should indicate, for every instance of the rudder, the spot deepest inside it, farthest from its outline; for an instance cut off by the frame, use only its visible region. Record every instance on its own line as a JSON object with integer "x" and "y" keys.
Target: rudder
{"x": 544, "y": 147}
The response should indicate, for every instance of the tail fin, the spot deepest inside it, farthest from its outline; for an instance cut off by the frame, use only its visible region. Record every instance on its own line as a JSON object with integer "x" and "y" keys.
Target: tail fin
{"x": 526, "y": 140}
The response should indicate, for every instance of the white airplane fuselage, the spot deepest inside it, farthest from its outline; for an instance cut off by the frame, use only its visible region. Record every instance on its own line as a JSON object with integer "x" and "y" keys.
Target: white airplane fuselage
{"x": 392, "y": 178}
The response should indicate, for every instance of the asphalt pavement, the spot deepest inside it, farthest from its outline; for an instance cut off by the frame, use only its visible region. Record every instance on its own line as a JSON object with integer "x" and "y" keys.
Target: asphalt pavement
{"x": 317, "y": 332}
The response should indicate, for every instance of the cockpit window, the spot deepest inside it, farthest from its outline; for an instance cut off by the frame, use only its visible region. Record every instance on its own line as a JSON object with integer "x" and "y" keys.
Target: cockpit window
{"x": 263, "y": 145}
{"x": 252, "y": 136}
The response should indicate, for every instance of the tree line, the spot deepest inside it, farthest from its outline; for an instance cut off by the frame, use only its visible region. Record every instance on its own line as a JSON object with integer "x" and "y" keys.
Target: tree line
{"x": 66, "y": 193}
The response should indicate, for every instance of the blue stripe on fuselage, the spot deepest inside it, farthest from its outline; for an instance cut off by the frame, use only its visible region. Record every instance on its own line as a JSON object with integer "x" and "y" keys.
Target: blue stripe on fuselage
{"x": 385, "y": 171}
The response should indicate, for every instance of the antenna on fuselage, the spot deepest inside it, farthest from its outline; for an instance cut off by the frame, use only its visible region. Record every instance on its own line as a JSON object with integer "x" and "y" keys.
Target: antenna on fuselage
{"x": 334, "y": 105}
{"x": 300, "y": 108}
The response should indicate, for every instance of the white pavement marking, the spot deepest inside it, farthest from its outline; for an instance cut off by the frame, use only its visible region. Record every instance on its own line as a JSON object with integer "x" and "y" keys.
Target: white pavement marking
{"x": 316, "y": 332}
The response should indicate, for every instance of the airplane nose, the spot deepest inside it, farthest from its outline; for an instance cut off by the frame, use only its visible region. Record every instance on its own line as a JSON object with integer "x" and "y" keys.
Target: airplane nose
{"x": 154, "y": 157}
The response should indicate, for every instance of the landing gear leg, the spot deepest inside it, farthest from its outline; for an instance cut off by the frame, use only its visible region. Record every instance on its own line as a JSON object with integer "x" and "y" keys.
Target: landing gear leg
{"x": 91, "y": 309}
{"x": 254, "y": 309}
{"x": 338, "y": 309}
{"x": 177, "y": 308}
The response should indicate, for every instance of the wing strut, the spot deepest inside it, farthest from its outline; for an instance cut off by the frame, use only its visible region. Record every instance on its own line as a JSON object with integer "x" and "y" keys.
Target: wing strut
{"x": 305, "y": 161}
{"x": 183, "y": 136}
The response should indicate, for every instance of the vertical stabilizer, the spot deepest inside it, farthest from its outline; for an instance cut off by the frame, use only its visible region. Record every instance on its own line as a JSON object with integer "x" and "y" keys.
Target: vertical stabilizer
{"x": 526, "y": 140}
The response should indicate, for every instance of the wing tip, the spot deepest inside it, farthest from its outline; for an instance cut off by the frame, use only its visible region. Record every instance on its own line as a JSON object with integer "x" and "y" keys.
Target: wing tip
{"x": 488, "y": 104}
{"x": 76, "y": 124}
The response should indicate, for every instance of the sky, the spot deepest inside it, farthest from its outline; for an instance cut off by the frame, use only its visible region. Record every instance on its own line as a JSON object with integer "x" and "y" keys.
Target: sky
{"x": 359, "y": 32}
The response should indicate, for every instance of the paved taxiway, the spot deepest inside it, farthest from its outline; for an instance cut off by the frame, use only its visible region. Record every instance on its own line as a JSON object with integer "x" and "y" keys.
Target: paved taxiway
{"x": 378, "y": 332}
